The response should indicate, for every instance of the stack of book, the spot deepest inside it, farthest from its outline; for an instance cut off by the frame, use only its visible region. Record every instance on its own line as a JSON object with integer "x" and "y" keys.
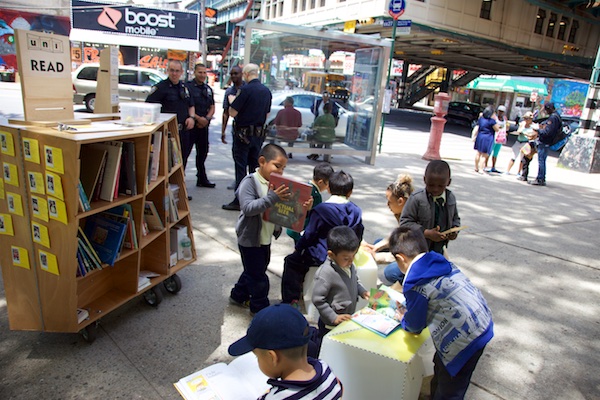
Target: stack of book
{"x": 106, "y": 232}
{"x": 173, "y": 192}
{"x": 174, "y": 152}
{"x": 154, "y": 160}
{"x": 87, "y": 258}
{"x": 109, "y": 170}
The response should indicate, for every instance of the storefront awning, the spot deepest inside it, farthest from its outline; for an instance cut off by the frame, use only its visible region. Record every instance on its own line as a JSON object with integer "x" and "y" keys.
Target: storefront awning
{"x": 511, "y": 85}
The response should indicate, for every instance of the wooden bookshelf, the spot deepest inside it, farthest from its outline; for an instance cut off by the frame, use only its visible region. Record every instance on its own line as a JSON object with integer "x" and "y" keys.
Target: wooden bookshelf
{"x": 43, "y": 301}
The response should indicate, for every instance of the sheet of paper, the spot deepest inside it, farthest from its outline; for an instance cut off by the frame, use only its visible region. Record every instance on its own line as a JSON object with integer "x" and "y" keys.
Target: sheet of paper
{"x": 10, "y": 174}
{"x": 40, "y": 235}
{"x": 6, "y": 225}
{"x": 54, "y": 185}
{"x": 53, "y": 158}
{"x": 20, "y": 257}
{"x": 57, "y": 210}
{"x": 7, "y": 145}
{"x": 15, "y": 203}
{"x": 39, "y": 208}
{"x": 48, "y": 262}
{"x": 36, "y": 182}
{"x": 31, "y": 150}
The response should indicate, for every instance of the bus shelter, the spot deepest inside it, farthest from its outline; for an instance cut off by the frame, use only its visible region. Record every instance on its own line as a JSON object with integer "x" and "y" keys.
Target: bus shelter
{"x": 291, "y": 56}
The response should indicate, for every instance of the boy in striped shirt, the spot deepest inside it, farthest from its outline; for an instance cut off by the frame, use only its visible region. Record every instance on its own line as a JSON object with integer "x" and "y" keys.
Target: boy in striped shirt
{"x": 279, "y": 335}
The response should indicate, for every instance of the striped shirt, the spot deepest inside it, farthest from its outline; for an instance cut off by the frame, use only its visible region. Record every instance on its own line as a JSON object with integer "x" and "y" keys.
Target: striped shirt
{"x": 324, "y": 386}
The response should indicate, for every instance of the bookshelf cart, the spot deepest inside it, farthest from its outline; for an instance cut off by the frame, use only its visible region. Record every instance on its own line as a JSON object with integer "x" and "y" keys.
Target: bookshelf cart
{"x": 41, "y": 299}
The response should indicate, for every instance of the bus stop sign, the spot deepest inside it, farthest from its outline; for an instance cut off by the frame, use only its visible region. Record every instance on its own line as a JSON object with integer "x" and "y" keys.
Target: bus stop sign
{"x": 396, "y": 8}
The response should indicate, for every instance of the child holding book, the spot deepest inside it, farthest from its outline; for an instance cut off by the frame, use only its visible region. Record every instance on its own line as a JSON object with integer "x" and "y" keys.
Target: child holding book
{"x": 254, "y": 235}
{"x": 319, "y": 183}
{"x": 279, "y": 336}
{"x": 336, "y": 286}
{"x": 439, "y": 296}
{"x": 433, "y": 209}
{"x": 311, "y": 249}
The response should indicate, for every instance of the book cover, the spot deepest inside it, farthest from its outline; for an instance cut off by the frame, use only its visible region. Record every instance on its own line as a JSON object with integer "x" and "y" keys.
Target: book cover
{"x": 290, "y": 213}
{"x": 156, "y": 149}
{"x": 374, "y": 321}
{"x": 94, "y": 160}
{"x": 127, "y": 179}
{"x": 111, "y": 170}
{"x": 240, "y": 380}
{"x": 81, "y": 235}
{"x": 152, "y": 216}
{"x": 131, "y": 237}
{"x": 85, "y": 202}
{"x": 106, "y": 237}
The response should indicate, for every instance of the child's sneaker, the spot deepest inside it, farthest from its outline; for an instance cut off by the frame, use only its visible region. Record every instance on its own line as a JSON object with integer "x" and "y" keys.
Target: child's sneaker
{"x": 243, "y": 304}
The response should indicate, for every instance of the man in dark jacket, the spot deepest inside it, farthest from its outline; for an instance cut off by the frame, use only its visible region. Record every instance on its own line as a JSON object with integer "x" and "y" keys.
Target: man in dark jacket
{"x": 317, "y": 107}
{"x": 546, "y": 134}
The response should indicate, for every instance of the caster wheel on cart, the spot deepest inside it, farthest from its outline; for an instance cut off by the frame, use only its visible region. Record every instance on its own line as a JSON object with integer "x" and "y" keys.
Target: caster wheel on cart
{"x": 90, "y": 332}
{"x": 153, "y": 296}
{"x": 172, "y": 284}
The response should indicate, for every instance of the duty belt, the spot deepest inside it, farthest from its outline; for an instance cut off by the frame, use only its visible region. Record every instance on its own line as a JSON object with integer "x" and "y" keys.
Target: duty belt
{"x": 244, "y": 132}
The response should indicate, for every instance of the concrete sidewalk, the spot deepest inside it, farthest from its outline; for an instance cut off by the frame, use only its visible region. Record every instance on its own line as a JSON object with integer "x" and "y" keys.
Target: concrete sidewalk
{"x": 532, "y": 251}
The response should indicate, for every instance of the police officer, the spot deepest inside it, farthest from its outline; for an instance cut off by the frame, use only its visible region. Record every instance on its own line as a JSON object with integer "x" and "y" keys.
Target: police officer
{"x": 249, "y": 110}
{"x": 175, "y": 98}
{"x": 204, "y": 105}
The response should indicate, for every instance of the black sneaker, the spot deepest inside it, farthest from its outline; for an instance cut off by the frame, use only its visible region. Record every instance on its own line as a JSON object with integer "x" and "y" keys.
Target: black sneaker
{"x": 243, "y": 304}
{"x": 231, "y": 207}
{"x": 206, "y": 184}
{"x": 537, "y": 182}
{"x": 522, "y": 178}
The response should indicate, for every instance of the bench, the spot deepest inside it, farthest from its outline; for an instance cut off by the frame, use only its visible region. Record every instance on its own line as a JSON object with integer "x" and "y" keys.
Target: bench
{"x": 303, "y": 147}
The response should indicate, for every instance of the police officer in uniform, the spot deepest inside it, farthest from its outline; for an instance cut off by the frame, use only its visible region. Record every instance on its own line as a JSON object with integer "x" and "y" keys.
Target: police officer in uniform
{"x": 175, "y": 98}
{"x": 204, "y": 105}
{"x": 249, "y": 110}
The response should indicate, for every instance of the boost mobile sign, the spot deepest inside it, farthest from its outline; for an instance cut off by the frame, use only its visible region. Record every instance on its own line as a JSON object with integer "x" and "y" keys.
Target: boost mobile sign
{"x": 129, "y": 20}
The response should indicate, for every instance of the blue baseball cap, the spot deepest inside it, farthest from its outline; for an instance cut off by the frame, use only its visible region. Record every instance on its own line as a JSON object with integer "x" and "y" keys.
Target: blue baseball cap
{"x": 276, "y": 327}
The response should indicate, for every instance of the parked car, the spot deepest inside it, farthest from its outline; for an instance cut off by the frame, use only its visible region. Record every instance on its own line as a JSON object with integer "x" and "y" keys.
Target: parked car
{"x": 134, "y": 83}
{"x": 463, "y": 112}
{"x": 303, "y": 102}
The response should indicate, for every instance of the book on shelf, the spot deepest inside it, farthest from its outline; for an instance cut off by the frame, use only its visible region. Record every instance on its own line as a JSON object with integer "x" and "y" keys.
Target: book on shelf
{"x": 111, "y": 170}
{"x": 152, "y": 217}
{"x": 89, "y": 262}
{"x": 290, "y": 213}
{"x": 143, "y": 282}
{"x": 82, "y": 315}
{"x": 241, "y": 379}
{"x": 173, "y": 191}
{"x": 155, "y": 150}
{"x": 126, "y": 211}
{"x": 375, "y": 321}
{"x": 81, "y": 235}
{"x": 81, "y": 267}
{"x": 177, "y": 233}
{"x": 94, "y": 160}
{"x": 127, "y": 181}
{"x": 84, "y": 202}
{"x": 106, "y": 237}
{"x": 175, "y": 153}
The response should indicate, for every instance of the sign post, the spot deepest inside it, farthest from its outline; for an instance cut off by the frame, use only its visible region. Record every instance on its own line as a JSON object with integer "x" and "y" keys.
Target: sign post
{"x": 395, "y": 9}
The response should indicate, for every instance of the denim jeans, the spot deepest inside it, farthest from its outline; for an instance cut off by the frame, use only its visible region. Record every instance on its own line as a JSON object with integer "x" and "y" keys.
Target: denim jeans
{"x": 253, "y": 283}
{"x": 245, "y": 156}
{"x": 542, "y": 150}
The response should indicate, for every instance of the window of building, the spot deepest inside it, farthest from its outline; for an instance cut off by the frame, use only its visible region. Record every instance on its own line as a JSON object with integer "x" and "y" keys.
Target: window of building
{"x": 539, "y": 22}
{"x": 281, "y": 8}
{"x": 268, "y": 11}
{"x": 322, "y": 3}
{"x": 551, "y": 25}
{"x": 573, "y": 32}
{"x": 486, "y": 9}
{"x": 313, "y": 4}
{"x": 303, "y": 5}
{"x": 295, "y": 6}
{"x": 562, "y": 28}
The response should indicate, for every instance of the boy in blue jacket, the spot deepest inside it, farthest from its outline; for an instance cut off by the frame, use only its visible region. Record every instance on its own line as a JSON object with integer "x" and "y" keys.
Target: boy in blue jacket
{"x": 439, "y": 296}
{"x": 311, "y": 249}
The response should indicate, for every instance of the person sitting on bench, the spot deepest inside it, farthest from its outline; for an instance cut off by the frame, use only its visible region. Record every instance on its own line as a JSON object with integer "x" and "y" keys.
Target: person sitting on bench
{"x": 323, "y": 131}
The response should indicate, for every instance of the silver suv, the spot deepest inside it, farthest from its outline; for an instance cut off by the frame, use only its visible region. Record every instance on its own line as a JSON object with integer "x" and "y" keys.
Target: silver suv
{"x": 134, "y": 83}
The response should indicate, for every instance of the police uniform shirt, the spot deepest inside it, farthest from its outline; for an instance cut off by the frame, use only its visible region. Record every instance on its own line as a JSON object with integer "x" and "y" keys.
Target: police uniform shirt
{"x": 234, "y": 90}
{"x": 202, "y": 97}
{"x": 175, "y": 99}
{"x": 252, "y": 104}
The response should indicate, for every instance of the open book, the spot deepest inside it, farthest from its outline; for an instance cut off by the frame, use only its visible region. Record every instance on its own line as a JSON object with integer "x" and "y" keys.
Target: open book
{"x": 375, "y": 321}
{"x": 240, "y": 380}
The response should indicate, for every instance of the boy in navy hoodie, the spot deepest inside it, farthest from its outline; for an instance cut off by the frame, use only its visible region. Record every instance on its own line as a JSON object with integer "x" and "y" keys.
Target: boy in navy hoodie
{"x": 311, "y": 249}
{"x": 439, "y": 296}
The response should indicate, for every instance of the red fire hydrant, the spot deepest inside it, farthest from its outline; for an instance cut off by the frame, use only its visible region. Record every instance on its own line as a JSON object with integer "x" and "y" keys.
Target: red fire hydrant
{"x": 440, "y": 108}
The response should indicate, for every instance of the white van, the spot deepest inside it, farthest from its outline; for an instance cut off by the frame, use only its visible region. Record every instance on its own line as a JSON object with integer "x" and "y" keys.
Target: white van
{"x": 134, "y": 83}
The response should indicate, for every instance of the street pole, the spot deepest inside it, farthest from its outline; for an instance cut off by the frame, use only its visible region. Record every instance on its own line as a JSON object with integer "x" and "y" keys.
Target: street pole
{"x": 203, "y": 30}
{"x": 387, "y": 82}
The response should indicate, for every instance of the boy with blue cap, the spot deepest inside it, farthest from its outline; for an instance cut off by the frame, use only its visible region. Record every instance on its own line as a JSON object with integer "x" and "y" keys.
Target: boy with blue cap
{"x": 279, "y": 336}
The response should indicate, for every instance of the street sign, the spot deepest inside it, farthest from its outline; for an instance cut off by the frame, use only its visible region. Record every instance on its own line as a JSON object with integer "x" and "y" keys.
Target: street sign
{"x": 403, "y": 26}
{"x": 534, "y": 96}
{"x": 396, "y": 8}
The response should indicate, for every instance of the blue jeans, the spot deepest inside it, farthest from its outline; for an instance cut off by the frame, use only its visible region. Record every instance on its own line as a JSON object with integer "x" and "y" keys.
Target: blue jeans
{"x": 542, "y": 150}
{"x": 393, "y": 274}
{"x": 253, "y": 283}
{"x": 446, "y": 387}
